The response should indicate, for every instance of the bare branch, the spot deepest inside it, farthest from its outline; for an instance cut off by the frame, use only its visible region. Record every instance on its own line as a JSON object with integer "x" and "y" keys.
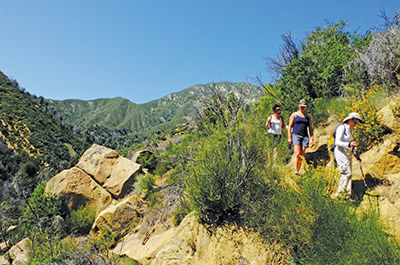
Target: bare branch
{"x": 289, "y": 51}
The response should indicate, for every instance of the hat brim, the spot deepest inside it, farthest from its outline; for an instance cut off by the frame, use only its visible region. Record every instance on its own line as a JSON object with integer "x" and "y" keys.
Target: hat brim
{"x": 302, "y": 105}
{"x": 349, "y": 118}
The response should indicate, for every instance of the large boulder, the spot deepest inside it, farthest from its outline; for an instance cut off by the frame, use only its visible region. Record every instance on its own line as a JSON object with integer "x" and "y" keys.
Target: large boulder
{"x": 79, "y": 189}
{"x": 114, "y": 172}
{"x": 388, "y": 117}
{"x": 122, "y": 177}
{"x": 193, "y": 243}
{"x": 120, "y": 217}
{"x": 100, "y": 176}
{"x": 20, "y": 252}
{"x": 383, "y": 158}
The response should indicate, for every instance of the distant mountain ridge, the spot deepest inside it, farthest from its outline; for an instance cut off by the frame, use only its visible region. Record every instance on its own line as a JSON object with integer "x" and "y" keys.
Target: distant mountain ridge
{"x": 157, "y": 115}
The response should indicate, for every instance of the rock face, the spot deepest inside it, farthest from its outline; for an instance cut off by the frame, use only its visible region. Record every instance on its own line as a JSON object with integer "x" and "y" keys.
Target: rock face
{"x": 192, "y": 243}
{"x": 20, "y": 252}
{"x": 121, "y": 217}
{"x": 115, "y": 173}
{"x": 78, "y": 188}
{"x": 381, "y": 166}
{"x": 100, "y": 177}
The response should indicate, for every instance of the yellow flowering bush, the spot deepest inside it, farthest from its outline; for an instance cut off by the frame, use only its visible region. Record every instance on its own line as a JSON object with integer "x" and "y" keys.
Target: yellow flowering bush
{"x": 372, "y": 130}
{"x": 395, "y": 107}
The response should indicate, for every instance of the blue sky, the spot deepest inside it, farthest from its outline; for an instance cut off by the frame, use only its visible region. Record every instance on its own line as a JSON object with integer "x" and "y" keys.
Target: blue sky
{"x": 144, "y": 50}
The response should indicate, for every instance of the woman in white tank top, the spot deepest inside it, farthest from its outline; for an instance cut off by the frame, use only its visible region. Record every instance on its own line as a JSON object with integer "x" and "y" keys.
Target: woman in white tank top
{"x": 275, "y": 123}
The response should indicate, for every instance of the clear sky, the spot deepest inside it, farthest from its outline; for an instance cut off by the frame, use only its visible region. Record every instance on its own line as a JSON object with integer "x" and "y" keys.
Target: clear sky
{"x": 146, "y": 49}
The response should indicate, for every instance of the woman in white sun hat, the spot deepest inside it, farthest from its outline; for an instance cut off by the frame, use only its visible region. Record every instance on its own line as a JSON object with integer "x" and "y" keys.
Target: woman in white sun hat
{"x": 343, "y": 151}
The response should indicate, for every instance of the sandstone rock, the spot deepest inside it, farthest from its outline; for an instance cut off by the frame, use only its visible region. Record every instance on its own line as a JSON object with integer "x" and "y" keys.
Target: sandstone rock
{"x": 383, "y": 158}
{"x": 4, "y": 245}
{"x": 115, "y": 173}
{"x": 98, "y": 161}
{"x": 19, "y": 252}
{"x": 192, "y": 243}
{"x": 4, "y": 260}
{"x": 122, "y": 177}
{"x": 119, "y": 217}
{"x": 388, "y": 118}
{"x": 78, "y": 188}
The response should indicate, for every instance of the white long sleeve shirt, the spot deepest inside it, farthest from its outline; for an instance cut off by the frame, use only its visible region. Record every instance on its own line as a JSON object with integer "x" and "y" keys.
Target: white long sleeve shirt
{"x": 343, "y": 138}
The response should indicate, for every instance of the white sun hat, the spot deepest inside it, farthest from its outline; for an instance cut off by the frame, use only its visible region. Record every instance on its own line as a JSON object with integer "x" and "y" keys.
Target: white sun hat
{"x": 353, "y": 115}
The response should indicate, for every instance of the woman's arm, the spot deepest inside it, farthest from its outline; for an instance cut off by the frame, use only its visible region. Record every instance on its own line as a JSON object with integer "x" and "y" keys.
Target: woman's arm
{"x": 311, "y": 131}
{"x": 268, "y": 124}
{"x": 291, "y": 120}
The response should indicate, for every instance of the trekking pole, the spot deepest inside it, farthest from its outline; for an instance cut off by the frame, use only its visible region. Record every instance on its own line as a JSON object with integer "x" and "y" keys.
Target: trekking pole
{"x": 357, "y": 156}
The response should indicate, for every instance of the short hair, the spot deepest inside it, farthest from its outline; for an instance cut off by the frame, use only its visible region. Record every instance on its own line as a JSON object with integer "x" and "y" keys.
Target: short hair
{"x": 275, "y": 106}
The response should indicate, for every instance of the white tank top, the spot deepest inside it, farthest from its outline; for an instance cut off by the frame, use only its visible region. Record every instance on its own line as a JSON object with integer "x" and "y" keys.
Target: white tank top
{"x": 276, "y": 125}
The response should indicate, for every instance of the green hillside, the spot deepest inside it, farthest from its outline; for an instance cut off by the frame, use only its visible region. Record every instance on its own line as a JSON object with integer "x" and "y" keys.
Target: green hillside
{"x": 33, "y": 145}
{"x": 143, "y": 119}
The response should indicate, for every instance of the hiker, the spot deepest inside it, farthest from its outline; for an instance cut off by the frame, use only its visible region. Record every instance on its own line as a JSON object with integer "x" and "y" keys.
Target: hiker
{"x": 300, "y": 133}
{"x": 274, "y": 125}
{"x": 343, "y": 151}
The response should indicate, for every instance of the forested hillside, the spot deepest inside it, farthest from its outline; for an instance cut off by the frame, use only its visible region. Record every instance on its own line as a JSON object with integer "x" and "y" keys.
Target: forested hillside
{"x": 33, "y": 146}
{"x": 128, "y": 123}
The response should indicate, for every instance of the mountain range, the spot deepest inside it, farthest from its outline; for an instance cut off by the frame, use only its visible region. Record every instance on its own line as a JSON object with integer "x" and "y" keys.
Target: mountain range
{"x": 121, "y": 117}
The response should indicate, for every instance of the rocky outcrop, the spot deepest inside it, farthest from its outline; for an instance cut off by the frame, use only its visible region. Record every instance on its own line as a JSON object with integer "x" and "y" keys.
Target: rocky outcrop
{"x": 121, "y": 217}
{"x": 113, "y": 172}
{"x": 19, "y": 253}
{"x": 193, "y": 243}
{"x": 79, "y": 189}
{"x": 381, "y": 167}
{"x": 100, "y": 177}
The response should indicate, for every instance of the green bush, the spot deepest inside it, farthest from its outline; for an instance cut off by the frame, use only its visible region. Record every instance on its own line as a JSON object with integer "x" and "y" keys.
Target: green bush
{"x": 370, "y": 132}
{"x": 180, "y": 212}
{"x": 339, "y": 235}
{"x": 39, "y": 212}
{"x": 148, "y": 160}
{"x": 227, "y": 161}
{"x": 146, "y": 185}
{"x": 324, "y": 107}
{"x": 80, "y": 221}
{"x": 319, "y": 230}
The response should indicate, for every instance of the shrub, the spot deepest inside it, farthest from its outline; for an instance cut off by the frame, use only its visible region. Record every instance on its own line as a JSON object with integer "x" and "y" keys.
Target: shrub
{"x": 180, "y": 212}
{"x": 39, "y": 212}
{"x": 324, "y": 107}
{"x": 317, "y": 229}
{"x": 148, "y": 160}
{"x": 227, "y": 162}
{"x": 105, "y": 240}
{"x": 81, "y": 220}
{"x": 372, "y": 130}
{"x": 335, "y": 233}
{"x": 146, "y": 185}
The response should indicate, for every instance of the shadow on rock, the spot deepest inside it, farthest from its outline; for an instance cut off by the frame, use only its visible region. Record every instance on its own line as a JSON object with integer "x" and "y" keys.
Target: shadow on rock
{"x": 361, "y": 186}
{"x": 320, "y": 157}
